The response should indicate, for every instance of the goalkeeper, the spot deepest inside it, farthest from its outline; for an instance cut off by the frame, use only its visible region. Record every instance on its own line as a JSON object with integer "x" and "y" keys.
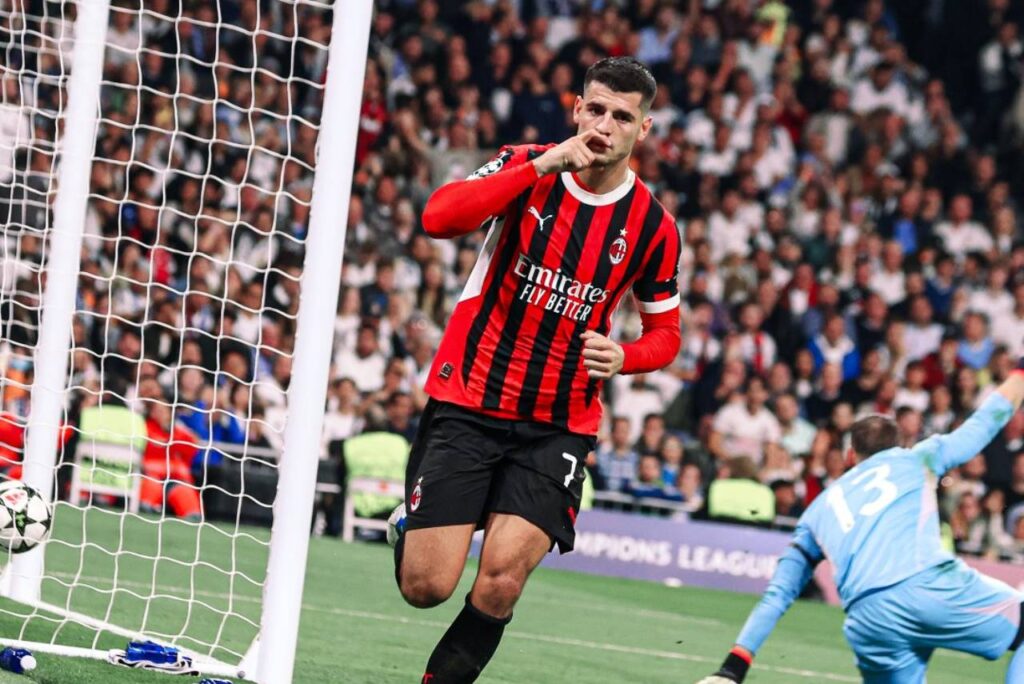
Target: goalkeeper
{"x": 904, "y": 596}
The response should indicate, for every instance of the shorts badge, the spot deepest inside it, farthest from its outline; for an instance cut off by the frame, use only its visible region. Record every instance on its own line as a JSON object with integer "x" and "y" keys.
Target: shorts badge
{"x": 417, "y": 495}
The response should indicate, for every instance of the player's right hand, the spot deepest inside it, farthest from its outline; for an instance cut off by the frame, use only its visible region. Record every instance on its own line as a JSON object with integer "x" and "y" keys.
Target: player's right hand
{"x": 575, "y": 154}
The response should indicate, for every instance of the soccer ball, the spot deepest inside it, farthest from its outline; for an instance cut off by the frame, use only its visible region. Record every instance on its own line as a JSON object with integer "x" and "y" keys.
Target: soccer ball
{"x": 396, "y": 524}
{"x": 25, "y": 517}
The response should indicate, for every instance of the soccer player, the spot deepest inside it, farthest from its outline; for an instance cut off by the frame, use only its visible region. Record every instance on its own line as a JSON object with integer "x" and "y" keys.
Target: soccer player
{"x": 903, "y": 594}
{"x": 515, "y": 386}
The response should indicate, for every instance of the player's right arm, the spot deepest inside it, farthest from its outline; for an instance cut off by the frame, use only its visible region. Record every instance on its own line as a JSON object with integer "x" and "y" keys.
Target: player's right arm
{"x": 460, "y": 207}
{"x": 794, "y": 571}
{"x": 945, "y": 452}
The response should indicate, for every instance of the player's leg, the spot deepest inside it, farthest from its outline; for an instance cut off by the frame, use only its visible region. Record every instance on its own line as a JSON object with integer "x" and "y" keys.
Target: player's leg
{"x": 432, "y": 562}
{"x": 512, "y": 548}
{"x": 970, "y": 612}
{"x": 876, "y": 628}
{"x": 911, "y": 673}
{"x": 963, "y": 610}
{"x": 534, "y": 499}
{"x": 883, "y": 661}
{"x": 1015, "y": 672}
{"x": 451, "y": 466}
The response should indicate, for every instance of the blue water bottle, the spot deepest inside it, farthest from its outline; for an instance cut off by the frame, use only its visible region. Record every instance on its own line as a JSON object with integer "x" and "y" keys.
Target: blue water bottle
{"x": 152, "y": 652}
{"x": 17, "y": 660}
{"x": 209, "y": 680}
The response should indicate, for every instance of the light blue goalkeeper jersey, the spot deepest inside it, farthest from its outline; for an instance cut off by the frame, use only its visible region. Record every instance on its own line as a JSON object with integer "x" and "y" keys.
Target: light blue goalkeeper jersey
{"x": 879, "y": 523}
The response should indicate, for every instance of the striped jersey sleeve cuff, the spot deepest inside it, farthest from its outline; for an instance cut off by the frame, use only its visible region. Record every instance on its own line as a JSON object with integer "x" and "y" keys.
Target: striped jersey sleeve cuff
{"x": 659, "y": 306}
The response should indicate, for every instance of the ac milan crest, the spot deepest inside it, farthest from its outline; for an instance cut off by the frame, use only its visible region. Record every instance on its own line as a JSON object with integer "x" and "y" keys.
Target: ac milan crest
{"x": 417, "y": 495}
{"x": 618, "y": 251}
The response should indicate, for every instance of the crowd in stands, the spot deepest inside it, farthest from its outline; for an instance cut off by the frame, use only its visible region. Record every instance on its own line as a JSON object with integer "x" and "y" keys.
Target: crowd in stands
{"x": 847, "y": 176}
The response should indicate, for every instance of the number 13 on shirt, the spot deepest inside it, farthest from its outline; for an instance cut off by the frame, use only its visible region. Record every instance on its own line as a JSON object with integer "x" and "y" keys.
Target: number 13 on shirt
{"x": 876, "y": 479}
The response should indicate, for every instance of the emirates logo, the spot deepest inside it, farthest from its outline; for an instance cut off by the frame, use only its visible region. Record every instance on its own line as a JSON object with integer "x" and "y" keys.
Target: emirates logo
{"x": 618, "y": 251}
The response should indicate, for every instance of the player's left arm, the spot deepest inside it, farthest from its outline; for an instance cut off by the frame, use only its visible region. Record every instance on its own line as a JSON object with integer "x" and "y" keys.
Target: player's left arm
{"x": 657, "y": 295}
{"x": 794, "y": 571}
{"x": 943, "y": 453}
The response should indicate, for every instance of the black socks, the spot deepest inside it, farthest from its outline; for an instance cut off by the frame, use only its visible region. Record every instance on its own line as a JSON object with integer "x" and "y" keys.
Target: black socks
{"x": 465, "y": 648}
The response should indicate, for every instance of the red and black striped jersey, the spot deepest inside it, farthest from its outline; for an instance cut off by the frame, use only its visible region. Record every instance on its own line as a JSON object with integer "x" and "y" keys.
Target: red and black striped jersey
{"x": 555, "y": 263}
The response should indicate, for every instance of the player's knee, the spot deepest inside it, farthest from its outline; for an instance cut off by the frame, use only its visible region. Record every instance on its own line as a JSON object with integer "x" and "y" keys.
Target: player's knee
{"x": 498, "y": 590}
{"x": 424, "y": 591}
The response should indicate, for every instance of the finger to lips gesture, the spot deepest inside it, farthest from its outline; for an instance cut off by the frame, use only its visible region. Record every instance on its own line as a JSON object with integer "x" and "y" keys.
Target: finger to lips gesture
{"x": 574, "y": 154}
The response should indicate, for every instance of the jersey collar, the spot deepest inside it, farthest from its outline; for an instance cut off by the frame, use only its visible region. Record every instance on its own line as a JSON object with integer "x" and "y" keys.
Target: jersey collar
{"x": 593, "y": 199}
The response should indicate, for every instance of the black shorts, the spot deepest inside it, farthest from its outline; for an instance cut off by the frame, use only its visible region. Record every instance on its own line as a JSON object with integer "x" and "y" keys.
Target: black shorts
{"x": 465, "y": 465}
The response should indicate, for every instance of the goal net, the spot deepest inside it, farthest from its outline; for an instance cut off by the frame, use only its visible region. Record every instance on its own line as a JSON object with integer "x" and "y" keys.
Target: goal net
{"x": 186, "y": 301}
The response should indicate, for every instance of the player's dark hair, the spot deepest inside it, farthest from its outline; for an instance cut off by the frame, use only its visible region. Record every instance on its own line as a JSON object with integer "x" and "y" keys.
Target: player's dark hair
{"x": 872, "y": 434}
{"x": 624, "y": 75}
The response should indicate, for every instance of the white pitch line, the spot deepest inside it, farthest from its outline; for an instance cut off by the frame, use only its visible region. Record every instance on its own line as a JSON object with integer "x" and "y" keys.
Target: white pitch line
{"x": 597, "y": 646}
{"x": 596, "y": 606}
{"x": 542, "y": 638}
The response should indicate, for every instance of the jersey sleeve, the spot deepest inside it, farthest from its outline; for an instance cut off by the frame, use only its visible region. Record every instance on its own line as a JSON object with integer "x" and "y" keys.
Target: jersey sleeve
{"x": 795, "y": 569}
{"x": 508, "y": 157}
{"x": 944, "y": 452}
{"x": 461, "y": 207}
{"x": 804, "y": 541}
{"x": 657, "y": 288}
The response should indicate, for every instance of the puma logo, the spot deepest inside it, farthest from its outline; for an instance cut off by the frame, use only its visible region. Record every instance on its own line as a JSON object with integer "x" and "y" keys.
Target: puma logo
{"x": 532, "y": 211}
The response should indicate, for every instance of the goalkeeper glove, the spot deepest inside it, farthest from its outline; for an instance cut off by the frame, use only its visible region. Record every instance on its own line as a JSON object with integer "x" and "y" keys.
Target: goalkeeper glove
{"x": 733, "y": 670}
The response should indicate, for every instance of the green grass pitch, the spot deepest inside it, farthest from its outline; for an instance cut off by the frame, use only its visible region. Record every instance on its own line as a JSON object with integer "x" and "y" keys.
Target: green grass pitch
{"x": 356, "y": 629}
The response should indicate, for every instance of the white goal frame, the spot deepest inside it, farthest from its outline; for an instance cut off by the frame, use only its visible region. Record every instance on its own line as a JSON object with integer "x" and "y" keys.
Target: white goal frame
{"x": 271, "y": 657}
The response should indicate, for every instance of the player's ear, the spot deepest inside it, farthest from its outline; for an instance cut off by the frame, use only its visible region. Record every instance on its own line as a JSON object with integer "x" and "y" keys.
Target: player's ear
{"x": 577, "y": 107}
{"x": 645, "y": 128}
{"x": 851, "y": 457}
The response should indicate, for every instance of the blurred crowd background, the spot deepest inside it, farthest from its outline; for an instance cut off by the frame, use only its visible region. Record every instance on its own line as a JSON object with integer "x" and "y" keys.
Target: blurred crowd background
{"x": 847, "y": 176}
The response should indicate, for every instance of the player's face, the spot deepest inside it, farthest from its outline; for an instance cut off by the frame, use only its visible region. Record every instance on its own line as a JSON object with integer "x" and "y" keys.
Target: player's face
{"x": 617, "y": 116}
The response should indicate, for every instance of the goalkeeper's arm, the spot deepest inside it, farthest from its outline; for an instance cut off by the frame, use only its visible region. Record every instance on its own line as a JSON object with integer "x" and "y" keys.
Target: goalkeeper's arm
{"x": 946, "y": 452}
{"x": 793, "y": 572}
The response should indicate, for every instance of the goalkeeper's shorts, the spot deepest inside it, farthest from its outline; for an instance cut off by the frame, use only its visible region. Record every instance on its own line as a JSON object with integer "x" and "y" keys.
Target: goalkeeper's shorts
{"x": 893, "y": 631}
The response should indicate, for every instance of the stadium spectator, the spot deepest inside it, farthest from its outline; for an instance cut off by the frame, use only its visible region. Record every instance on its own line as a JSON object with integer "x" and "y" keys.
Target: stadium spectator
{"x": 617, "y": 460}
{"x": 940, "y": 416}
{"x": 744, "y": 426}
{"x": 797, "y": 433}
{"x": 757, "y": 346}
{"x": 364, "y": 363}
{"x": 976, "y": 347}
{"x": 672, "y": 455}
{"x": 787, "y": 502}
{"x": 826, "y": 396}
{"x": 834, "y": 346}
{"x": 691, "y": 486}
{"x": 652, "y": 436}
{"x": 913, "y": 393}
{"x": 648, "y": 482}
{"x": 167, "y": 481}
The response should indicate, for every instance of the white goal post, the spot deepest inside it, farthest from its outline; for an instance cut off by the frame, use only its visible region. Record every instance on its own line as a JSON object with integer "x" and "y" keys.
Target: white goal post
{"x": 181, "y": 156}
